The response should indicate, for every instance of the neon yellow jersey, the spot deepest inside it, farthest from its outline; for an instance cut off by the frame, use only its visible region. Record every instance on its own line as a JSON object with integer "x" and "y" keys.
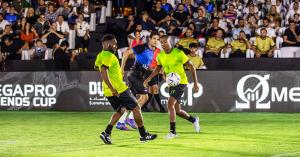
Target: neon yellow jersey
{"x": 173, "y": 62}
{"x": 109, "y": 60}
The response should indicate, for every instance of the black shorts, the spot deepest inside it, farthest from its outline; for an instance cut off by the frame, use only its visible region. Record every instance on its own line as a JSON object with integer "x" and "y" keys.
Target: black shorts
{"x": 155, "y": 80}
{"x": 125, "y": 99}
{"x": 177, "y": 91}
{"x": 136, "y": 80}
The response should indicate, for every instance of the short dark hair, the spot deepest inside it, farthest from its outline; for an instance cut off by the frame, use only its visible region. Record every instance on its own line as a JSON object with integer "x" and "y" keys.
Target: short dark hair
{"x": 108, "y": 37}
{"x": 64, "y": 43}
{"x": 193, "y": 45}
{"x": 266, "y": 19}
{"x": 153, "y": 34}
{"x": 7, "y": 37}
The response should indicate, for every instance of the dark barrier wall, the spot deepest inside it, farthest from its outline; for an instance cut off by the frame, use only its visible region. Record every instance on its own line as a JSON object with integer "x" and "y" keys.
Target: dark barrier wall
{"x": 220, "y": 91}
{"x": 85, "y": 62}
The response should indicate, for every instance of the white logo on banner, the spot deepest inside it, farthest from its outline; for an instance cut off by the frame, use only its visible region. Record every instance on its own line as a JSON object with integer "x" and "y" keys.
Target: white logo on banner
{"x": 24, "y": 95}
{"x": 96, "y": 93}
{"x": 258, "y": 94}
{"x": 190, "y": 93}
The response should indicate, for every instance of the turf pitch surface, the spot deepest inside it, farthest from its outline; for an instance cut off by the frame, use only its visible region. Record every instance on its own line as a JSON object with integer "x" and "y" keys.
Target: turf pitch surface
{"x": 71, "y": 134}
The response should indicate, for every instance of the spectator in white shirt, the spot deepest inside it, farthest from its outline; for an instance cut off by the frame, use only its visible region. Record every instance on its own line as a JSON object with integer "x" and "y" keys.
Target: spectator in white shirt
{"x": 270, "y": 31}
{"x": 291, "y": 13}
{"x": 82, "y": 34}
{"x": 3, "y": 22}
{"x": 62, "y": 26}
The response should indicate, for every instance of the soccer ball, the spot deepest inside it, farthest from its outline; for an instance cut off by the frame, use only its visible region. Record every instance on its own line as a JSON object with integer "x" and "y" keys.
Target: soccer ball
{"x": 173, "y": 79}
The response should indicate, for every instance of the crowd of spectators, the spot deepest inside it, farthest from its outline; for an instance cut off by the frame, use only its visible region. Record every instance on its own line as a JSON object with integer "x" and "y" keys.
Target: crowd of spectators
{"x": 34, "y": 29}
{"x": 224, "y": 28}
{"x": 38, "y": 29}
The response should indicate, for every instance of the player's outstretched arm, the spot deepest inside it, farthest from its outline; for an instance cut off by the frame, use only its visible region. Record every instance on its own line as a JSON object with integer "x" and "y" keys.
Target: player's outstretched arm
{"x": 106, "y": 79}
{"x": 126, "y": 54}
{"x": 154, "y": 73}
{"x": 192, "y": 69}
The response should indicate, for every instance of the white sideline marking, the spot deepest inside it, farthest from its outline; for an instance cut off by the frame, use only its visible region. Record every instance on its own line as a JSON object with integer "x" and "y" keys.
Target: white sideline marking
{"x": 286, "y": 154}
{"x": 8, "y": 142}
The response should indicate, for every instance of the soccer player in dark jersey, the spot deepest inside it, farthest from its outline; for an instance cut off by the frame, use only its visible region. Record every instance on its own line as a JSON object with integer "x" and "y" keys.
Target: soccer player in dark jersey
{"x": 174, "y": 60}
{"x": 144, "y": 57}
{"x": 116, "y": 91}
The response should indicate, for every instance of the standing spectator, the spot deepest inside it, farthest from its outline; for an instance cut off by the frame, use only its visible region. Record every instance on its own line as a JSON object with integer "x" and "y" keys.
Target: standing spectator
{"x": 263, "y": 46}
{"x": 214, "y": 45}
{"x": 82, "y": 34}
{"x": 62, "y": 26}
{"x": 158, "y": 14}
{"x": 3, "y": 22}
{"x": 51, "y": 14}
{"x": 180, "y": 14}
{"x": 62, "y": 58}
{"x": 42, "y": 25}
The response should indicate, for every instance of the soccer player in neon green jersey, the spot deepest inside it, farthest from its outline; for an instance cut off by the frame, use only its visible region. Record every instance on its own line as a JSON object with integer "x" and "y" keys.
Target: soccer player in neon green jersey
{"x": 174, "y": 60}
{"x": 116, "y": 91}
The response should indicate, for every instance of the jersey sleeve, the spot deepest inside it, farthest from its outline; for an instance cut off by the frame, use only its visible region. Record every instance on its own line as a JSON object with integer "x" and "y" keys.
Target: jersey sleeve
{"x": 103, "y": 61}
{"x": 184, "y": 58}
{"x": 98, "y": 62}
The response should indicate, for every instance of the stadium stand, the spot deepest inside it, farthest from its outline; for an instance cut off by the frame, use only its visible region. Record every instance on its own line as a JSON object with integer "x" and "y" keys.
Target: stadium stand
{"x": 31, "y": 31}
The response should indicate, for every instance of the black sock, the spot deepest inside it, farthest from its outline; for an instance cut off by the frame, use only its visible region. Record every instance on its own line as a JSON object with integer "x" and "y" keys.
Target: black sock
{"x": 172, "y": 127}
{"x": 157, "y": 98}
{"x": 142, "y": 131}
{"x": 108, "y": 129}
{"x": 191, "y": 119}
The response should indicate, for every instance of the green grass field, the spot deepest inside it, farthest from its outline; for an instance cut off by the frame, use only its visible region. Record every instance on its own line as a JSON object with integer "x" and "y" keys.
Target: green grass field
{"x": 54, "y": 134}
